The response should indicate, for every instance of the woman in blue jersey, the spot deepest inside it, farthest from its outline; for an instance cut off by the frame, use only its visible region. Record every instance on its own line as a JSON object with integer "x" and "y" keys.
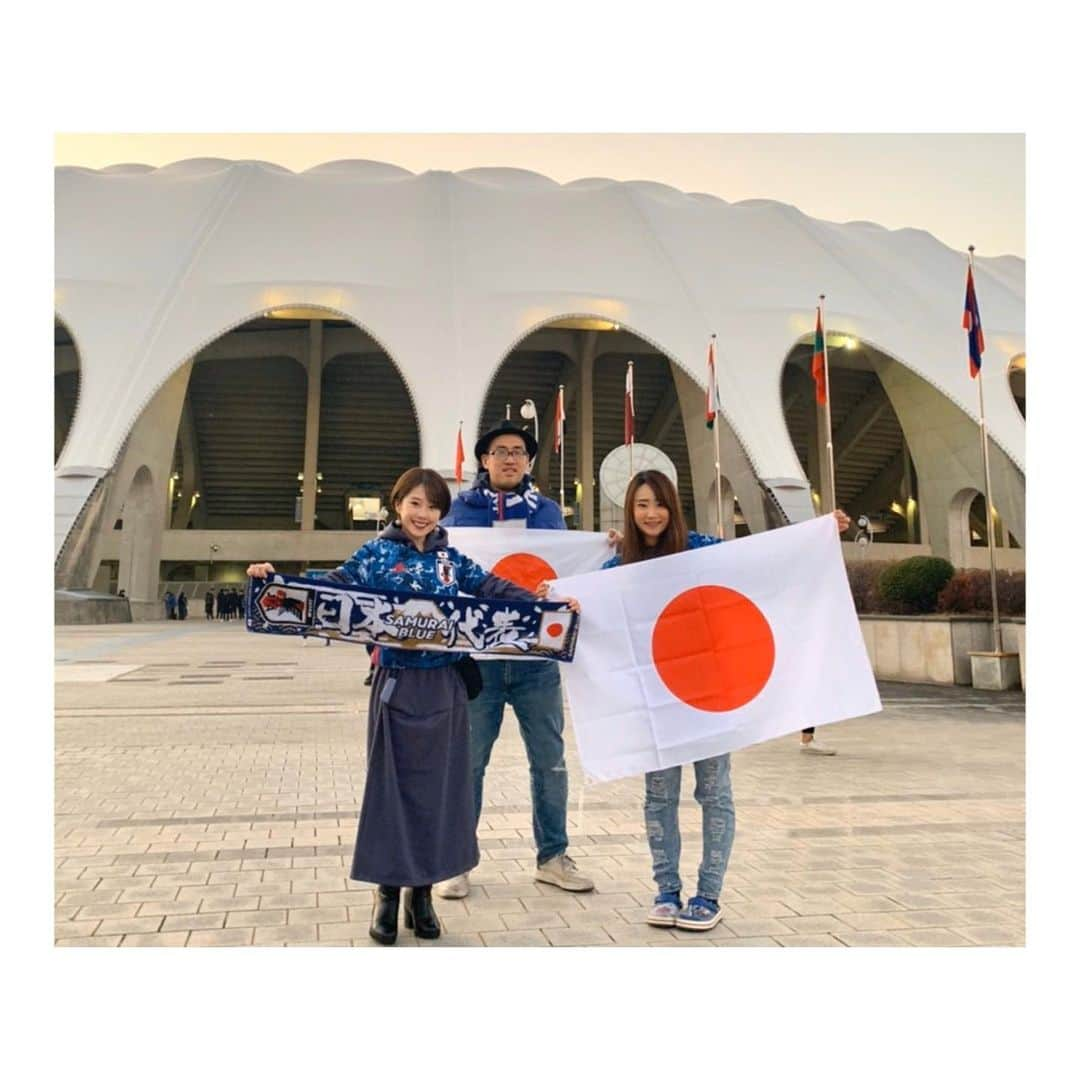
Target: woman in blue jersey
{"x": 654, "y": 527}
{"x": 417, "y": 821}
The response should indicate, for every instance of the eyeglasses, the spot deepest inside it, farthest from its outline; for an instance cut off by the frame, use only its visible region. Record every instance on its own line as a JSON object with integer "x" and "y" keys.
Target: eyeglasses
{"x": 500, "y": 453}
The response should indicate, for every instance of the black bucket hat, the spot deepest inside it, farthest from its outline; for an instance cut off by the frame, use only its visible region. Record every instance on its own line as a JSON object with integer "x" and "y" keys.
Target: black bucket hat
{"x": 507, "y": 427}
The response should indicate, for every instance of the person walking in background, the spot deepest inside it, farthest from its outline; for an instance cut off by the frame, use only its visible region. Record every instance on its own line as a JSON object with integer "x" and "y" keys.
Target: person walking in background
{"x": 504, "y": 496}
{"x": 170, "y": 604}
{"x": 208, "y": 604}
{"x": 808, "y": 746}
{"x": 181, "y": 605}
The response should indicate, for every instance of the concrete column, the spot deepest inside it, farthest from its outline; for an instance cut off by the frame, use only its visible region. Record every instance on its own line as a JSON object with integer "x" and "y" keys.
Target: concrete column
{"x": 61, "y": 425}
{"x": 584, "y": 426}
{"x": 311, "y": 429}
{"x": 189, "y": 455}
{"x": 141, "y": 474}
{"x": 905, "y": 497}
{"x": 947, "y": 455}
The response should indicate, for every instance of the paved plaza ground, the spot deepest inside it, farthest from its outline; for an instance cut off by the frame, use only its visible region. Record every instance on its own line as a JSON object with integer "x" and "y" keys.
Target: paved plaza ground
{"x": 208, "y": 783}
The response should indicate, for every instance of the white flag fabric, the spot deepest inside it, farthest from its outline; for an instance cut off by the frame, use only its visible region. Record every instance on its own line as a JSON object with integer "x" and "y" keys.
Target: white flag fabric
{"x": 529, "y": 556}
{"x": 716, "y": 649}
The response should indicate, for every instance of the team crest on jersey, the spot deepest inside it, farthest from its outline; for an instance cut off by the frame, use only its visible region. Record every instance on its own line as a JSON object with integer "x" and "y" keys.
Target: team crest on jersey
{"x": 444, "y": 569}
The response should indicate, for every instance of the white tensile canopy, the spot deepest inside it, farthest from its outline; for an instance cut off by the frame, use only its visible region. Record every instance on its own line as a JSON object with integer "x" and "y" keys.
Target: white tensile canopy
{"x": 448, "y": 271}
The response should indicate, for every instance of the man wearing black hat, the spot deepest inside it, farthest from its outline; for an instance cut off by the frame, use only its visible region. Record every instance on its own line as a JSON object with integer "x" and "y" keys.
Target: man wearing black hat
{"x": 504, "y": 496}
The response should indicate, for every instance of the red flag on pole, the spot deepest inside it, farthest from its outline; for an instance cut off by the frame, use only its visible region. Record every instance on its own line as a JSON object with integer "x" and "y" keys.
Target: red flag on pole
{"x": 560, "y": 421}
{"x": 710, "y": 393}
{"x": 817, "y": 368}
{"x": 628, "y": 406}
{"x": 459, "y": 457}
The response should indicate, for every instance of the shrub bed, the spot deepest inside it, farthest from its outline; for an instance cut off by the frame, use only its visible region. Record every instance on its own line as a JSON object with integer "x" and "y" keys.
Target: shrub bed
{"x": 968, "y": 591}
{"x": 963, "y": 592}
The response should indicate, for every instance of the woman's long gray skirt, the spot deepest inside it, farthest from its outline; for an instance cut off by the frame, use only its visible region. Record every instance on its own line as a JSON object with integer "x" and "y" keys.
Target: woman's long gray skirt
{"x": 417, "y": 822}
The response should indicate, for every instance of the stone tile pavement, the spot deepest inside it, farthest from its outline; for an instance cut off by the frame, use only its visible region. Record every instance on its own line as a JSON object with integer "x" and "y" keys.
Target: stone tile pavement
{"x": 208, "y": 782}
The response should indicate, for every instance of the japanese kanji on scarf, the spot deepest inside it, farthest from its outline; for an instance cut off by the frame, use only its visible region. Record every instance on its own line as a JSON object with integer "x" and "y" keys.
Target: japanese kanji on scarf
{"x": 282, "y": 604}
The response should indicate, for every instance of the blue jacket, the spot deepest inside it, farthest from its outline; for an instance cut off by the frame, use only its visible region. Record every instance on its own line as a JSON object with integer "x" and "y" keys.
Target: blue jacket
{"x": 481, "y": 506}
{"x": 693, "y": 540}
{"x": 391, "y": 561}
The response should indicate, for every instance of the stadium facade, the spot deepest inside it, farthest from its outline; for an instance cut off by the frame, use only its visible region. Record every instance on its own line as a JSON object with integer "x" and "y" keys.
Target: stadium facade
{"x": 247, "y": 357}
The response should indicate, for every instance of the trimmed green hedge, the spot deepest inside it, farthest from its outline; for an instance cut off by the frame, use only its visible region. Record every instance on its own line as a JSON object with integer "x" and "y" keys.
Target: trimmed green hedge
{"x": 912, "y": 585}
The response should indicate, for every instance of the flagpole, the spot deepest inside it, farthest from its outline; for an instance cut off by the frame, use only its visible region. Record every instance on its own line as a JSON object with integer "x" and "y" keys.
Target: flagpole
{"x": 459, "y": 469}
{"x": 561, "y": 421}
{"x": 828, "y": 409}
{"x": 716, "y": 444}
{"x": 989, "y": 497}
{"x": 630, "y": 380}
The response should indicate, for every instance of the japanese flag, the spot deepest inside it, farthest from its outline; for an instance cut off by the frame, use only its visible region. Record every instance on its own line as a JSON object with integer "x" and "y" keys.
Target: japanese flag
{"x": 529, "y": 556}
{"x": 698, "y": 654}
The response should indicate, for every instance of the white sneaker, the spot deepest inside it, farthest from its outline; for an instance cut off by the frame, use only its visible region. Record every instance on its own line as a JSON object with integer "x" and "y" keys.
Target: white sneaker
{"x": 562, "y": 871}
{"x": 813, "y": 748}
{"x": 456, "y": 888}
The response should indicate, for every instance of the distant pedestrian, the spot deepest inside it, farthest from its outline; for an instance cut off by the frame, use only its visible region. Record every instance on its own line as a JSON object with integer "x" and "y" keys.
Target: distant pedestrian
{"x": 221, "y": 603}
{"x": 181, "y": 605}
{"x": 808, "y": 745}
{"x": 208, "y": 603}
{"x": 170, "y": 604}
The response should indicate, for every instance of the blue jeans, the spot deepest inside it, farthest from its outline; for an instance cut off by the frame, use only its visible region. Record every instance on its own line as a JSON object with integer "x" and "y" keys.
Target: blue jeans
{"x": 534, "y": 690}
{"x": 713, "y": 792}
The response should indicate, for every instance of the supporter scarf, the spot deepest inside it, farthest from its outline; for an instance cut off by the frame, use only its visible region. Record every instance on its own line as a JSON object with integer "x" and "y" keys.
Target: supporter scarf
{"x": 282, "y": 604}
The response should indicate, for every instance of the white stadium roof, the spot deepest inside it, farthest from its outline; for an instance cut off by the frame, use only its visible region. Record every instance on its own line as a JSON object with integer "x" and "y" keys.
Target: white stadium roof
{"x": 448, "y": 271}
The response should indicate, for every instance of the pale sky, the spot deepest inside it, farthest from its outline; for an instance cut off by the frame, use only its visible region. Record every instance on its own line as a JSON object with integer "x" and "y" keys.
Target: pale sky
{"x": 965, "y": 189}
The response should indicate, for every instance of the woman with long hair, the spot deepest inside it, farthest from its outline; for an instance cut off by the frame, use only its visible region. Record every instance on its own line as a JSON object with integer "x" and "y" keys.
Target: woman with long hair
{"x": 654, "y": 527}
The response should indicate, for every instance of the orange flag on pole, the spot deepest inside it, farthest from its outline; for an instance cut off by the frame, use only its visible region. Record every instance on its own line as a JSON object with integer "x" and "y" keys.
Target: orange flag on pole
{"x": 459, "y": 457}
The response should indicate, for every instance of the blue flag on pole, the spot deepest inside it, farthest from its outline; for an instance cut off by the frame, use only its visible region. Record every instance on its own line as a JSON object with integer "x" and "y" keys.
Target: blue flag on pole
{"x": 973, "y": 325}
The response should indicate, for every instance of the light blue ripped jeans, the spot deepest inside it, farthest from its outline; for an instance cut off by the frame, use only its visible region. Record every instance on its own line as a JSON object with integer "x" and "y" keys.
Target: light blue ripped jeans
{"x": 713, "y": 792}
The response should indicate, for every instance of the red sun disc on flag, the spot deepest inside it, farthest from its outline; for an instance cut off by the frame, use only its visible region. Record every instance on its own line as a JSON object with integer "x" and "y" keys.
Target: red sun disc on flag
{"x": 555, "y": 629}
{"x": 525, "y": 570}
{"x": 713, "y": 648}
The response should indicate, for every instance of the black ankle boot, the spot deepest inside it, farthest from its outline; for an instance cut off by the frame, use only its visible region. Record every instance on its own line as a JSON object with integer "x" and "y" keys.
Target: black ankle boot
{"x": 384, "y": 914}
{"x": 420, "y": 916}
